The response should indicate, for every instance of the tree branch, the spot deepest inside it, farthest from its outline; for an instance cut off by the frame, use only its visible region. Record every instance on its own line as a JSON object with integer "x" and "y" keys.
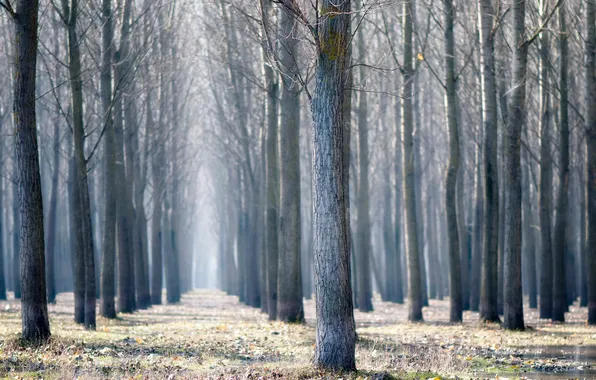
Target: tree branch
{"x": 6, "y": 5}
{"x": 546, "y": 20}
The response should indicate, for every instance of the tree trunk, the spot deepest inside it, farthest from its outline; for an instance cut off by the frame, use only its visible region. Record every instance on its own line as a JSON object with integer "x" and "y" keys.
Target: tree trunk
{"x": 82, "y": 207}
{"x": 16, "y": 238}
{"x": 335, "y": 336}
{"x": 591, "y": 158}
{"x": 455, "y": 289}
{"x": 52, "y": 225}
{"x": 76, "y": 247}
{"x": 34, "y": 309}
{"x": 478, "y": 244}
{"x": 289, "y": 291}
{"x": 108, "y": 257}
{"x": 272, "y": 188}
{"x": 546, "y": 272}
{"x": 489, "y": 277}
{"x": 559, "y": 233}
{"x": 364, "y": 250}
{"x": 512, "y": 298}
{"x": 413, "y": 253}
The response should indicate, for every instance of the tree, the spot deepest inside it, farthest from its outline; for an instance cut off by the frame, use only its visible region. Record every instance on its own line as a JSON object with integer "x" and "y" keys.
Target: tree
{"x": 272, "y": 191}
{"x": 364, "y": 250}
{"x": 82, "y": 206}
{"x": 490, "y": 248}
{"x": 335, "y": 334}
{"x": 413, "y": 253}
{"x": 513, "y": 300}
{"x": 108, "y": 288}
{"x": 591, "y": 158}
{"x": 455, "y": 292}
{"x": 559, "y": 236}
{"x": 546, "y": 284}
{"x": 289, "y": 288}
{"x": 34, "y": 307}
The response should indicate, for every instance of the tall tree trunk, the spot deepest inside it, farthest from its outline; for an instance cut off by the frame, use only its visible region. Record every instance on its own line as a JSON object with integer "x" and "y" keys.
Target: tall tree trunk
{"x": 455, "y": 289}
{"x": 108, "y": 257}
{"x": 34, "y": 309}
{"x": 489, "y": 277}
{"x": 591, "y": 158}
{"x": 413, "y": 252}
{"x": 546, "y": 271}
{"x": 478, "y": 244}
{"x": 336, "y": 334}
{"x": 52, "y": 217}
{"x": 289, "y": 291}
{"x": 76, "y": 247}
{"x": 512, "y": 298}
{"x": 83, "y": 206}
{"x": 364, "y": 249}
{"x": 272, "y": 178}
{"x": 528, "y": 231}
{"x": 559, "y": 233}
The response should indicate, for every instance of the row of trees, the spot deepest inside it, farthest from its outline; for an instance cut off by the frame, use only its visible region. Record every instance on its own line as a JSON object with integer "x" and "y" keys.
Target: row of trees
{"x": 98, "y": 84}
{"x": 505, "y": 208}
{"x": 447, "y": 156}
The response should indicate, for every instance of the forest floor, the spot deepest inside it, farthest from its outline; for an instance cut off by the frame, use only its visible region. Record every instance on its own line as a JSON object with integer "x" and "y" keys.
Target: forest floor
{"x": 211, "y": 335}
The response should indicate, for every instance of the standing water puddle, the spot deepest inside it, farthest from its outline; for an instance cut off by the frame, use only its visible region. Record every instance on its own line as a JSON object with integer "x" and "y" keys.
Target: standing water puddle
{"x": 552, "y": 362}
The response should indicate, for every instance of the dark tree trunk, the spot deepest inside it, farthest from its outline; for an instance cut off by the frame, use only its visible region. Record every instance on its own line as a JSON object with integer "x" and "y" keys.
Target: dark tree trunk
{"x": 591, "y": 158}
{"x": 512, "y": 298}
{"x": 488, "y": 290}
{"x": 52, "y": 227}
{"x": 335, "y": 336}
{"x": 559, "y": 234}
{"x": 76, "y": 247}
{"x": 34, "y": 309}
{"x": 108, "y": 257}
{"x": 289, "y": 291}
{"x": 413, "y": 253}
{"x": 82, "y": 207}
{"x": 546, "y": 271}
{"x": 455, "y": 289}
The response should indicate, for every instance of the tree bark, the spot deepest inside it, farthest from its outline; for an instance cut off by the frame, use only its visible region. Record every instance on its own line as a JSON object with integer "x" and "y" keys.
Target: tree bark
{"x": 559, "y": 233}
{"x": 591, "y": 158}
{"x": 512, "y": 298}
{"x": 34, "y": 310}
{"x": 455, "y": 289}
{"x": 335, "y": 335}
{"x": 488, "y": 290}
{"x": 52, "y": 217}
{"x": 413, "y": 253}
{"x": 289, "y": 291}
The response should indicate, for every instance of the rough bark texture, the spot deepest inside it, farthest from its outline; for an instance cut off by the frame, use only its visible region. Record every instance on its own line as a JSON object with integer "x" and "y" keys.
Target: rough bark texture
{"x": 591, "y": 142}
{"x": 16, "y": 238}
{"x": 413, "y": 253}
{"x": 512, "y": 298}
{"x": 34, "y": 307}
{"x": 335, "y": 335}
{"x": 455, "y": 290}
{"x": 559, "y": 233}
{"x": 289, "y": 291}
{"x": 488, "y": 290}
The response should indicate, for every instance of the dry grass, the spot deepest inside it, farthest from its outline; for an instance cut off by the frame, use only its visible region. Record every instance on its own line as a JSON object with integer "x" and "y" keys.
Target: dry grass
{"x": 211, "y": 335}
